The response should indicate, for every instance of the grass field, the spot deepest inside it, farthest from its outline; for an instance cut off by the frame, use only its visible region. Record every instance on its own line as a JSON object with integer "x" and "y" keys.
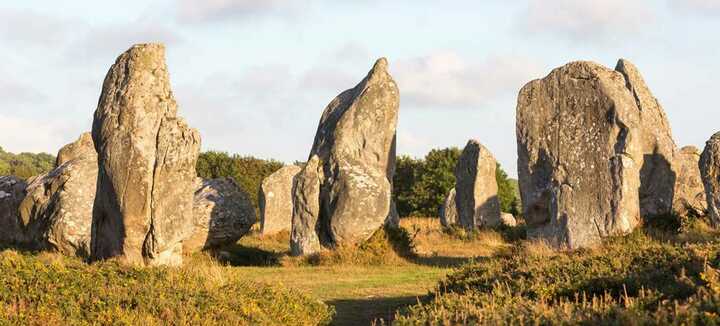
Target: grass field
{"x": 252, "y": 282}
{"x": 364, "y": 289}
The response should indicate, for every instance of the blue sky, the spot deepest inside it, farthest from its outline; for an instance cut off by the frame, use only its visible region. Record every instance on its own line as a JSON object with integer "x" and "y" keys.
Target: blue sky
{"x": 253, "y": 76}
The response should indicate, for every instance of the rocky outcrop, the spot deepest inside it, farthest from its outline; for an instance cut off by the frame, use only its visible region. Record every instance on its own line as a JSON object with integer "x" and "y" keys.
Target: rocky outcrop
{"x": 57, "y": 210}
{"x": 448, "y": 212}
{"x": 476, "y": 188}
{"x": 579, "y": 155}
{"x": 689, "y": 194}
{"x": 354, "y": 145}
{"x": 223, "y": 213}
{"x": 306, "y": 209}
{"x": 276, "y": 200}
{"x": 146, "y": 159}
{"x": 12, "y": 193}
{"x": 657, "y": 175}
{"x": 710, "y": 173}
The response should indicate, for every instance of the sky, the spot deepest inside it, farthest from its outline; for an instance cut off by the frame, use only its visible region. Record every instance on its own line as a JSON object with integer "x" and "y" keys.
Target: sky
{"x": 253, "y": 76}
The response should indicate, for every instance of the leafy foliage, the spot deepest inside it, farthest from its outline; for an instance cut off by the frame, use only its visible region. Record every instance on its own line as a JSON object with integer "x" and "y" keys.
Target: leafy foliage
{"x": 248, "y": 171}
{"x": 25, "y": 165}
{"x": 637, "y": 280}
{"x": 49, "y": 289}
{"x": 420, "y": 185}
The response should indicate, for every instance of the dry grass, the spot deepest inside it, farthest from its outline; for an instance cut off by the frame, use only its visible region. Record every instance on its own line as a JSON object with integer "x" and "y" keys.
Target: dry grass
{"x": 430, "y": 239}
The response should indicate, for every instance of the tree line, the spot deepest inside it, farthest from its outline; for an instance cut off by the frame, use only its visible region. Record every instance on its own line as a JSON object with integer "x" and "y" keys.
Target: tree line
{"x": 419, "y": 186}
{"x": 25, "y": 165}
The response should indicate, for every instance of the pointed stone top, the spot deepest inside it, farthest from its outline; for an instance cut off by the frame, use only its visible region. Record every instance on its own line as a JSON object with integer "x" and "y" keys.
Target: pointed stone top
{"x": 148, "y": 46}
{"x": 82, "y": 147}
{"x": 380, "y": 64}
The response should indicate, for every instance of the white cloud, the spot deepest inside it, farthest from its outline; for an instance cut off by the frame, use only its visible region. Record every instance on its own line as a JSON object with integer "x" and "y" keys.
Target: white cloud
{"x": 581, "y": 20}
{"x": 26, "y": 27}
{"x": 16, "y": 93}
{"x": 200, "y": 11}
{"x": 706, "y": 7}
{"x": 449, "y": 80}
{"x": 104, "y": 43}
{"x": 31, "y": 135}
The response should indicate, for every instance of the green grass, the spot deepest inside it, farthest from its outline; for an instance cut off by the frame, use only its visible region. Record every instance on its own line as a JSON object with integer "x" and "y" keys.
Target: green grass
{"x": 650, "y": 277}
{"x": 48, "y": 289}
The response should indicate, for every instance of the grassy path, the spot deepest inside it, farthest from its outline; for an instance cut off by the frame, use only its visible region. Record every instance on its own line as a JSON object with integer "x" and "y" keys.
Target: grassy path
{"x": 359, "y": 294}
{"x": 363, "y": 293}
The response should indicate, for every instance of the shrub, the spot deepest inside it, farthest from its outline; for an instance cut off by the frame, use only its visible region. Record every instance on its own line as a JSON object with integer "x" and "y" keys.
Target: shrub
{"x": 55, "y": 290}
{"x": 632, "y": 280}
{"x": 387, "y": 246}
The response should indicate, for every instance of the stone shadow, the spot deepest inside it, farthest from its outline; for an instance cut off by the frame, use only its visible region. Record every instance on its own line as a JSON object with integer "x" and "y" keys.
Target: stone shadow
{"x": 369, "y": 311}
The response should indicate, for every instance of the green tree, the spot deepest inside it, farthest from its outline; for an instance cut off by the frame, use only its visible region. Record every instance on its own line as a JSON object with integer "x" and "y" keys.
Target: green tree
{"x": 248, "y": 171}
{"x": 506, "y": 192}
{"x": 25, "y": 165}
{"x": 420, "y": 185}
{"x": 407, "y": 170}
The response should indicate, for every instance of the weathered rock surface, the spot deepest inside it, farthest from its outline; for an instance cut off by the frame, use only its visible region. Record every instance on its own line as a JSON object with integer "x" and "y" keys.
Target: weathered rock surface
{"x": 304, "y": 238}
{"x": 12, "y": 193}
{"x": 476, "y": 187}
{"x": 508, "y": 219}
{"x": 657, "y": 176}
{"x": 448, "y": 213}
{"x": 275, "y": 196}
{"x": 689, "y": 194}
{"x": 354, "y": 144}
{"x": 223, "y": 213}
{"x": 710, "y": 173}
{"x": 146, "y": 158}
{"x": 57, "y": 211}
{"x": 579, "y": 155}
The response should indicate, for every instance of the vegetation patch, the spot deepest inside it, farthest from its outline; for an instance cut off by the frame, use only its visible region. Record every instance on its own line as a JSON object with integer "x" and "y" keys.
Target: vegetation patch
{"x": 48, "y": 289}
{"x": 645, "y": 278}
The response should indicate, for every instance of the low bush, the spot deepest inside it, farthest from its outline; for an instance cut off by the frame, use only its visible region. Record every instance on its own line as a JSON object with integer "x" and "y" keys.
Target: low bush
{"x": 49, "y": 289}
{"x": 387, "y": 246}
{"x": 634, "y": 280}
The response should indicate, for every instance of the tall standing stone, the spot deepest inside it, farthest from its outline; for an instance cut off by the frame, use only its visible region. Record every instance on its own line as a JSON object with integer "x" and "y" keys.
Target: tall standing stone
{"x": 57, "y": 210}
{"x": 689, "y": 197}
{"x": 146, "y": 159}
{"x": 306, "y": 209}
{"x": 354, "y": 144}
{"x": 657, "y": 174}
{"x": 275, "y": 196}
{"x": 579, "y": 155}
{"x": 476, "y": 187}
{"x": 710, "y": 172}
{"x": 448, "y": 213}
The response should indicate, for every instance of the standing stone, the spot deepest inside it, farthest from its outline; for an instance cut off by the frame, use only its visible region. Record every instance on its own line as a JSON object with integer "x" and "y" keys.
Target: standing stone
{"x": 12, "y": 193}
{"x": 354, "y": 144}
{"x": 57, "y": 210}
{"x": 276, "y": 200}
{"x": 657, "y": 177}
{"x": 476, "y": 188}
{"x": 689, "y": 198}
{"x": 223, "y": 213}
{"x": 304, "y": 238}
{"x": 579, "y": 155}
{"x": 146, "y": 159}
{"x": 448, "y": 212}
{"x": 710, "y": 173}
